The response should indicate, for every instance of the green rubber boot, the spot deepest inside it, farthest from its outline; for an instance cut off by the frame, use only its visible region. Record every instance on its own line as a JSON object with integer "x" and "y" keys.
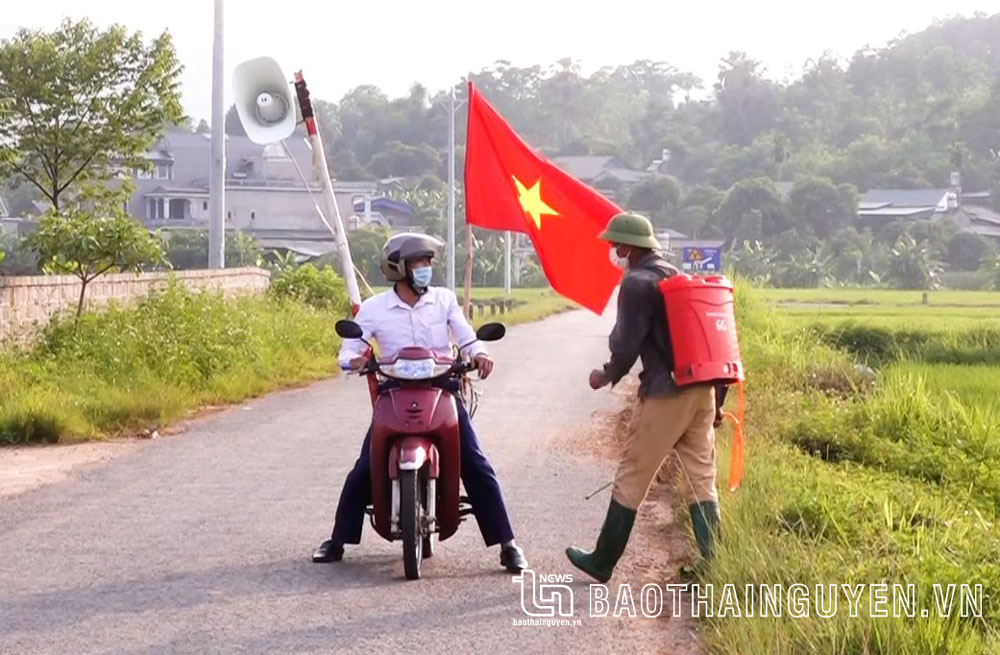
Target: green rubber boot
{"x": 706, "y": 523}
{"x": 600, "y": 563}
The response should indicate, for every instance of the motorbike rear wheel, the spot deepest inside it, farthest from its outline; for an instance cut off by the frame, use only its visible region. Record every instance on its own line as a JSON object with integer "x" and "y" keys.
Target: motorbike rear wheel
{"x": 409, "y": 520}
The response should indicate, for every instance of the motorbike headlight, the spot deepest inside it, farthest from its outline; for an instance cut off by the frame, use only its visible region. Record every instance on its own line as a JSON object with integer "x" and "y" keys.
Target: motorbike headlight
{"x": 414, "y": 369}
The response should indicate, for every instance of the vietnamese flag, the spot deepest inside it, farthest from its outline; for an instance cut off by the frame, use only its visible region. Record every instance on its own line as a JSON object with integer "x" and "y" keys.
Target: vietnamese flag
{"x": 510, "y": 187}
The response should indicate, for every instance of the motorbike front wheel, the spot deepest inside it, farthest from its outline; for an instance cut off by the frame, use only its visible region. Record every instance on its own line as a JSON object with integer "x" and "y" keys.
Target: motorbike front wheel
{"x": 409, "y": 519}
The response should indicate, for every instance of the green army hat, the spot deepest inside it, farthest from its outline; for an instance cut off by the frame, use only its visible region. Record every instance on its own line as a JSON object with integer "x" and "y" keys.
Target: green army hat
{"x": 630, "y": 229}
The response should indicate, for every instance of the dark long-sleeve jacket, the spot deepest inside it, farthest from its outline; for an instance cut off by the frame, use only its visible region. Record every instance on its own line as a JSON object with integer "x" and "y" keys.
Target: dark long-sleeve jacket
{"x": 641, "y": 329}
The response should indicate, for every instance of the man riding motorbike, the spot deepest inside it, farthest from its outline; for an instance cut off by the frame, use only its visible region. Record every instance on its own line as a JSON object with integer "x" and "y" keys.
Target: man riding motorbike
{"x": 413, "y": 313}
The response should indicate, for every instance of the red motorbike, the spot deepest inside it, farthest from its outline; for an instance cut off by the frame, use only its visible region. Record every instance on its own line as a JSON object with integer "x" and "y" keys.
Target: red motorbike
{"x": 415, "y": 445}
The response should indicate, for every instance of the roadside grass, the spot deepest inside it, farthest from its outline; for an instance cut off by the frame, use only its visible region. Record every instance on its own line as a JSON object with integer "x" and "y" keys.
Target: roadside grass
{"x": 125, "y": 369}
{"x": 860, "y": 479}
{"x": 881, "y": 297}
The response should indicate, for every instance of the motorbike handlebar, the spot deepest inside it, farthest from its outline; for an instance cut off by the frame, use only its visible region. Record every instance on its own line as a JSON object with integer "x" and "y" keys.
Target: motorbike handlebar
{"x": 458, "y": 368}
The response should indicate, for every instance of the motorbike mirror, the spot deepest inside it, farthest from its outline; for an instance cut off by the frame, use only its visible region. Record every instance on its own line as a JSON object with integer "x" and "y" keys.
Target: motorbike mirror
{"x": 347, "y": 329}
{"x": 491, "y": 332}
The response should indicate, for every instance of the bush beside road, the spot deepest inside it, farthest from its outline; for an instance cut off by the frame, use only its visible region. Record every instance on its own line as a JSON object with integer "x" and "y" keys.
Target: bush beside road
{"x": 126, "y": 369}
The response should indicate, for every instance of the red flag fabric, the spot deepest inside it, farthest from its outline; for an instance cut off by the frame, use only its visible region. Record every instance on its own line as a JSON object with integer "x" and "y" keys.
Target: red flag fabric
{"x": 510, "y": 187}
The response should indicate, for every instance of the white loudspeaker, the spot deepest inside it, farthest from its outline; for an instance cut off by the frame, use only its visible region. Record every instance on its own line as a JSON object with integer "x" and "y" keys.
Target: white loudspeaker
{"x": 263, "y": 99}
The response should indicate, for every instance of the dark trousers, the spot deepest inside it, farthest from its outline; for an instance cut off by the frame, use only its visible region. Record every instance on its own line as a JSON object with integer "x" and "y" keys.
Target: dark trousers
{"x": 478, "y": 476}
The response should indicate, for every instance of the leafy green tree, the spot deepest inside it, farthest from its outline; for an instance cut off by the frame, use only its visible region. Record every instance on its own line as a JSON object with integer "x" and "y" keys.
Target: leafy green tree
{"x": 86, "y": 103}
{"x": 821, "y": 206}
{"x": 911, "y": 265}
{"x": 750, "y": 210}
{"x": 657, "y": 197}
{"x": 188, "y": 249}
{"x": 92, "y": 237}
{"x": 696, "y": 209}
{"x": 965, "y": 251}
{"x": 400, "y": 160}
{"x": 854, "y": 255}
{"x": 366, "y": 252}
{"x": 748, "y": 102}
{"x": 805, "y": 270}
{"x": 753, "y": 261}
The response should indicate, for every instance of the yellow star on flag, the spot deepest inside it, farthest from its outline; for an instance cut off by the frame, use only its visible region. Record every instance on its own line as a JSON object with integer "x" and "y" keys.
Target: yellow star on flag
{"x": 532, "y": 203}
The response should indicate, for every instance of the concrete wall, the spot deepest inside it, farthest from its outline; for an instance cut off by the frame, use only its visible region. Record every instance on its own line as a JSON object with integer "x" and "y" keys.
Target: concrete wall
{"x": 30, "y": 300}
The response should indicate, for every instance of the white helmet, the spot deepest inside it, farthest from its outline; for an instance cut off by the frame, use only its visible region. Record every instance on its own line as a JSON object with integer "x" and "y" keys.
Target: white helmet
{"x": 403, "y": 247}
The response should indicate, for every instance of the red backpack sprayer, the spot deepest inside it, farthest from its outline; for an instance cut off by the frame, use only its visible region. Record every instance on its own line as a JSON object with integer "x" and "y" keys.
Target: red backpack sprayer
{"x": 702, "y": 324}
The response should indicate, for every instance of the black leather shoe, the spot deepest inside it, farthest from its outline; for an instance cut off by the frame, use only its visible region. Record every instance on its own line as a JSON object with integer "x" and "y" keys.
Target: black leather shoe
{"x": 512, "y": 558}
{"x": 329, "y": 551}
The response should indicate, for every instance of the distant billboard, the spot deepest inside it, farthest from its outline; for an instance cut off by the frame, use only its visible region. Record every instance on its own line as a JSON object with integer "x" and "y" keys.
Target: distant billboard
{"x": 702, "y": 260}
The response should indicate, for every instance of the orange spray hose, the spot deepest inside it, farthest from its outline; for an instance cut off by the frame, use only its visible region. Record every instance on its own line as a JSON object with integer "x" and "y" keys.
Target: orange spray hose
{"x": 737, "y": 453}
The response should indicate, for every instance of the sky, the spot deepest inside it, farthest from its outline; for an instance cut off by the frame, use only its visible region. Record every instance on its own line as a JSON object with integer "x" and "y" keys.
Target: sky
{"x": 394, "y": 43}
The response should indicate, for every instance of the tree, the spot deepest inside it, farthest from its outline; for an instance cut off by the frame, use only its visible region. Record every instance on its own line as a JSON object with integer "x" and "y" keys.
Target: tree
{"x": 232, "y": 122}
{"x": 991, "y": 266}
{"x": 821, "y": 206}
{"x": 805, "y": 270}
{"x": 752, "y": 210}
{"x": 911, "y": 265}
{"x": 87, "y": 103}
{"x": 20, "y": 197}
{"x": 15, "y": 257}
{"x": 696, "y": 208}
{"x": 92, "y": 237}
{"x": 399, "y": 159}
{"x": 966, "y": 251}
{"x": 753, "y": 261}
{"x": 366, "y": 253}
{"x": 188, "y": 249}
{"x": 855, "y": 255}
{"x": 426, "y": 197}
{"x": 657, "y": 197}
{"x": 747, "y": 101}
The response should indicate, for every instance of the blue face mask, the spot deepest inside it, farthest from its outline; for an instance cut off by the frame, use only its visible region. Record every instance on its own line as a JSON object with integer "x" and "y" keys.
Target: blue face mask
{"x": 422, "y": 276}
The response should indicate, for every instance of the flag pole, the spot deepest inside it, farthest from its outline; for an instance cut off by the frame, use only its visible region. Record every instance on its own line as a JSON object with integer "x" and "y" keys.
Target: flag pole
{"x": 506, "y": 262}
{"x": 468, "y": 271}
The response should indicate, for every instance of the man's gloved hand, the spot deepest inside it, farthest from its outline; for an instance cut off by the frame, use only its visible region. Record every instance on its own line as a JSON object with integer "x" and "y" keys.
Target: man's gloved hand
{"x": 484, "y": 364}
{"x": 597, "y": 379}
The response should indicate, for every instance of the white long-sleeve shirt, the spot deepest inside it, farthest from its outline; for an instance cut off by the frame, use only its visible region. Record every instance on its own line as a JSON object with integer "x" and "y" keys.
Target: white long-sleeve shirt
{"x": 431, "y": 323}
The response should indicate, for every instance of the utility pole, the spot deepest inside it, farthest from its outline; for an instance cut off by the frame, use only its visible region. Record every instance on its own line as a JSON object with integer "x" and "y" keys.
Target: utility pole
{"x": 451, "y": 191}
{"x": 217, "y": 176}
